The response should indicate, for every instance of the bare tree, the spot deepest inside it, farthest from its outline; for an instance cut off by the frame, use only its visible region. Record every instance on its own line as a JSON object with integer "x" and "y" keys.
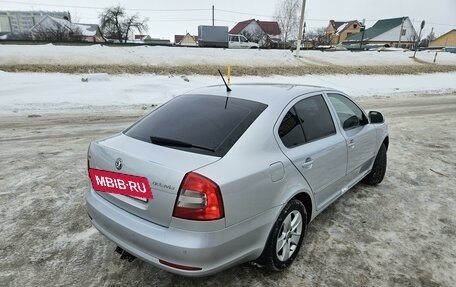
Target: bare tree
{"x": 414, "y": 40}
{"x": 57, "y": 33}
{"x": 110, "y": 22}
{"x": 134, "y": 22}
{"x": 428, "y": 39}
{"x": 21, "y": 36}
{"x": 287, "y": 16}
{"x": 257, "y": 36}
{"x": 116, "y": 24}
{"x": 318, "y": 37}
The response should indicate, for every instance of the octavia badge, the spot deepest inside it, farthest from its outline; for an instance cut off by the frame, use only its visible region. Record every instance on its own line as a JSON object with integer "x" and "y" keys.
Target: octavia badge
{"x": 118, "y": 163}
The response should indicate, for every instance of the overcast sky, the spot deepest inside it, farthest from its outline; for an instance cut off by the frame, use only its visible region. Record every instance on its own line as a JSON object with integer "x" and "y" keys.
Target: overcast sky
{"x": 167, "y": 18}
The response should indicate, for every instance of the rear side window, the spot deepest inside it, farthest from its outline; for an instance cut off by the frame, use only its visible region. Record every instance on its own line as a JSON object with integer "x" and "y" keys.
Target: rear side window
{"x": 290, "y": 130}
{"x": 198, "y": 123}
{"x": 315, "y": 118}
{"x": 306, "y": 121}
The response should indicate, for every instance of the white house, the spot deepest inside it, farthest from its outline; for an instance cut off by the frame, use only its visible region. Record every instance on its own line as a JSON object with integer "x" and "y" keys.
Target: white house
{"x": 395, "y": 32}
{"x": 186, "y": 40}
{"x": 57, "y": 29}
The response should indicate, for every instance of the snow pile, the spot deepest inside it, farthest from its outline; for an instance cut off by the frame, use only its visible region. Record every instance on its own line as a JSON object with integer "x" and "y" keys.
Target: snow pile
{"x": 178, "y": 56}
{"x": 40, "y": 91}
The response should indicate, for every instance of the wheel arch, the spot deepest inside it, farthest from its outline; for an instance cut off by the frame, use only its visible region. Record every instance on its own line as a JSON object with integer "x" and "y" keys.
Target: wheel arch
{"x": 307, "y": 201}
{"x": 386, "y": 142}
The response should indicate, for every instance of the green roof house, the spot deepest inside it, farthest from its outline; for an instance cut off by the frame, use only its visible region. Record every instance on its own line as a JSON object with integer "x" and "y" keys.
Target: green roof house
{"x": 395, "y": 32}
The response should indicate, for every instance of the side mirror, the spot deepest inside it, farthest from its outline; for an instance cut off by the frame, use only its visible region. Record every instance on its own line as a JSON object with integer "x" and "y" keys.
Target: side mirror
{"x": 351, "y": 122}
{"x": 376, "y": 117}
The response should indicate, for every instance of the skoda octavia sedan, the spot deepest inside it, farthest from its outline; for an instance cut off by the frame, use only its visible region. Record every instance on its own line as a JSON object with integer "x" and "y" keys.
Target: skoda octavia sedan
{"x": 215, "y": 178}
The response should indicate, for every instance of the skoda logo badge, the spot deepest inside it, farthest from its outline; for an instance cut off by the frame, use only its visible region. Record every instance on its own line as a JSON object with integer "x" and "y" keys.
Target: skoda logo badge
{"x": 119, "y": 163}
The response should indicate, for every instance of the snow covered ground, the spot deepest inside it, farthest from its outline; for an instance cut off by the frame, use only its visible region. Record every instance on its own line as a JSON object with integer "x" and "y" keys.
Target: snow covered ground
{"x": 48, "y": 92}
{"x": 178, "y": 56}
{"x": 398, "y": 233}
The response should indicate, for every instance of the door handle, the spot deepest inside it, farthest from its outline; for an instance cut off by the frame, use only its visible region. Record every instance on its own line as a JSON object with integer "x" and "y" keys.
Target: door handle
{"x": 308, "y": 163}
{"x": 351, "y": 144}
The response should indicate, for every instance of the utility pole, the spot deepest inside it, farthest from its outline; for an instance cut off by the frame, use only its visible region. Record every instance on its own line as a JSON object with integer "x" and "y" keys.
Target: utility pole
{"x": 363, "y": 27}
{"x": 301, "y": 25}
{"x": 419, "y": 37}
{"x": 400, "y": 33}
{"x": 212, "y": 15}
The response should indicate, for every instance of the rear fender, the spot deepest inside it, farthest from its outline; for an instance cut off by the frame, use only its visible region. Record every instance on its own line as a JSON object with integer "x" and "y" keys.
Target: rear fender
{"x": 290, "y": 191}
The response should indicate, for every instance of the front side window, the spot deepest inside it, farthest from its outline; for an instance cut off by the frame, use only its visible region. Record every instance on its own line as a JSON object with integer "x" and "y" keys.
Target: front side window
{"x": 350, "y": 115}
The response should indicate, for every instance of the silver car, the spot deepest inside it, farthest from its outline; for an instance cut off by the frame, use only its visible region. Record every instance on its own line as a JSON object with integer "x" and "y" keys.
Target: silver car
{"x": 214, "y": 178}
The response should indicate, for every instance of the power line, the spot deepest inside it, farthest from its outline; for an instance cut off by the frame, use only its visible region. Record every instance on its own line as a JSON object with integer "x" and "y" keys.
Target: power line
{"x": 165, "y": 10}
{"x": 102, "y": 8}
{"x": 225, "y": 21}
{"x": 51, "y": 5}
{"x": 243, "y": 13}
{"x": 269, "y": 16}
{"x": 177, "y": 20}
{"x": 440, "y": 24}
{"x": 182, "y": 10}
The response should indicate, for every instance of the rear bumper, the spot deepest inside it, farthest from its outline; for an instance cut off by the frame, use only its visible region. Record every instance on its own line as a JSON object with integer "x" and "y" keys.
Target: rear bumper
{"x": 210, "y": 251}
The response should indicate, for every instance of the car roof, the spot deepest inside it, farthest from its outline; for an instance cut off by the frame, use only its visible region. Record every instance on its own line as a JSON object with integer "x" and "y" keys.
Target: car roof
{"x": 269, "y": 94}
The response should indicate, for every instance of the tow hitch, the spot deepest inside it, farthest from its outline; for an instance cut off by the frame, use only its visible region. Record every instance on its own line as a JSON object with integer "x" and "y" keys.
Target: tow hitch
{"x": 125, "y": 255}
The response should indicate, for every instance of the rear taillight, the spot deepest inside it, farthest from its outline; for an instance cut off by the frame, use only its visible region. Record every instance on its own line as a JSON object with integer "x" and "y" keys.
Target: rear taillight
{"x": 199, "y": 199}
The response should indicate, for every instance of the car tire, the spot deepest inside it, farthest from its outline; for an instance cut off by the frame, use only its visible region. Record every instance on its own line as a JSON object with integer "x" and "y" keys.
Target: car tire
{"x": 379, "y": 169}
{"x": 288, "y": 233}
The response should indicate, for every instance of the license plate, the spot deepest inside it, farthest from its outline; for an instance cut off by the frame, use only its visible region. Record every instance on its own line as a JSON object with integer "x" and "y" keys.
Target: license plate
{"x": 130, "y": 185}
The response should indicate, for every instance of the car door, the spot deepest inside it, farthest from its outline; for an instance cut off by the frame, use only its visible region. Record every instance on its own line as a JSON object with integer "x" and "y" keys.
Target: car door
{"x": 308, "y": 137}
{"x": 234, "y": 41}
{"x": 359, "y": 134}
{"x": 243, "y": 42}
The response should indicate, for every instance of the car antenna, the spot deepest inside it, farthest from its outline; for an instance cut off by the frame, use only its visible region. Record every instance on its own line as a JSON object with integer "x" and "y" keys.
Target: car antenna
{"x": 227, "y": 88}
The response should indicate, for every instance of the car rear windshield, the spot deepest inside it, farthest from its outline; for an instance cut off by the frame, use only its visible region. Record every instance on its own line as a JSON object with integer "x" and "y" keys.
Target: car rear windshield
{"x": 198, "y": 123}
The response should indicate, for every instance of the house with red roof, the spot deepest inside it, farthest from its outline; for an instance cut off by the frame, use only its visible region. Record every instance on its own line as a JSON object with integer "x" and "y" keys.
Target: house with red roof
{"x": 265, "y": 33}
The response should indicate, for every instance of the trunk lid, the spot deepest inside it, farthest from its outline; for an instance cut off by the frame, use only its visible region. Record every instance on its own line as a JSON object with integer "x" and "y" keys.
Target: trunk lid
{"x": 164, "y": 168}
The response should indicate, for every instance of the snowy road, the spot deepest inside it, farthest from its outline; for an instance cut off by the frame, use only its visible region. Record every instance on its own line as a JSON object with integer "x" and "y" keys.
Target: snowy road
{"x": 400, "y": 233}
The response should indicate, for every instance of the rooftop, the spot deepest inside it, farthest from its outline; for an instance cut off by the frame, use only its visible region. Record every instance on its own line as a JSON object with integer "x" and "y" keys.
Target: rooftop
{"x": 380, "y": 27}
{"x": 269, "y": 27}
{"x": 270, "y": 94}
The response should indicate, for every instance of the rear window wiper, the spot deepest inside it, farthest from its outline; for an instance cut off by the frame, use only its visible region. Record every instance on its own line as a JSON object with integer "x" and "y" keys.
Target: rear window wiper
{"x": 176, "y": 143}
